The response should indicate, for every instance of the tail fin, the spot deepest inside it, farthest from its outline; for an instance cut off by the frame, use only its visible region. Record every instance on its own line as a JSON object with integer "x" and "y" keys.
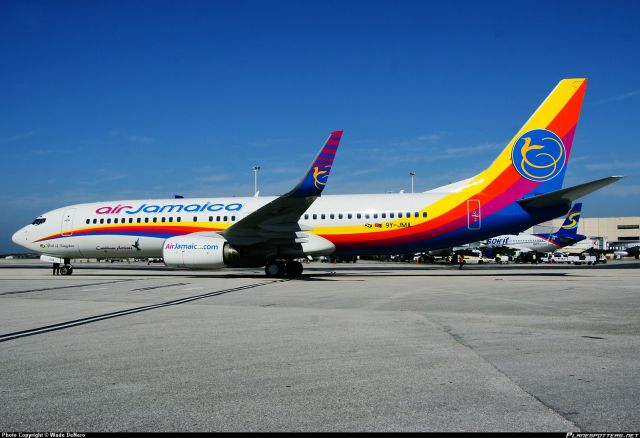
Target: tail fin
{"x": 570, "y": 225}
{"x": 535, "y": 160}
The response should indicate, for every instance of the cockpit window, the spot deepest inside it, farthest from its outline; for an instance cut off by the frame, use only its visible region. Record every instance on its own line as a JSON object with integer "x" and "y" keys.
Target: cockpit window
{"x": 38, "y": 221}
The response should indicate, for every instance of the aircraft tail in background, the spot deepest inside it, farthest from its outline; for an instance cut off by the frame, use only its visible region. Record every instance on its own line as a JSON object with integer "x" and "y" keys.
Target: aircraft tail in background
{"x": 570, "y": 225}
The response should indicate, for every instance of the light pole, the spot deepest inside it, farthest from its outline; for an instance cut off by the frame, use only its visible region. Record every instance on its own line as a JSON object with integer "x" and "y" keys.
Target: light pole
{"x": 412, "y": 175}
{"x": 255, "y": 179}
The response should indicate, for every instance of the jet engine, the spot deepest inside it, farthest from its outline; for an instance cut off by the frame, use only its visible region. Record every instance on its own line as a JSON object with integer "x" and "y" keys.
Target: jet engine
{"x": 195, "y": 251}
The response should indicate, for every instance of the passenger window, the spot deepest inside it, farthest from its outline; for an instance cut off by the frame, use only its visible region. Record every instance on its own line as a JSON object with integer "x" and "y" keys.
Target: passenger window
{"x": 416, "y": 214}
{"x": 95, "y": 221}
{"x": 155, "y": 219}
{"x": 424, "y": 214}
{"x": 163, "y": 219}
{"x": 391, "y": 215}
{"x": 399, "y": 215}
{"x": 408, "y": 215}
{"x": 146, "y": 220}
{"x": 331, "y": 216}
{"x": 306, "y": 216}
{"x": 170, "y": 218}
{"x": 178, "y": 219}
{"x": 366, "y": 215}
{"x": 375, "y": 215}
{"x": 102, "y": 221}
{"x": 359, "y": 215}
{"x": 210, "y": 218}
{"x": 88, "y": 220}
{"x": 130, "y": 220}
{"x": 233, "y": 218}
{"x": 225, "y": 218}
{"x": 384, "y": 215}
{"x": 349, "y": 215}
{"x": 315, "y": 216}
{"x": 322, "y": 216}
{"x": 109, "y": 220}
{"x": 339, "y": 215}
{"x": 138, "y": 220}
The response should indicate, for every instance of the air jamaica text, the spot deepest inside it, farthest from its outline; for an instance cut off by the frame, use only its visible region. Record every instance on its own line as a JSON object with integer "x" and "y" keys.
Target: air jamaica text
{"x": 169, "y": 208}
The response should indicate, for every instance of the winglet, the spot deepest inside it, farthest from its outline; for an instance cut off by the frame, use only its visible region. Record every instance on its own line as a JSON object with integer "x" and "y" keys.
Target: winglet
{"x": 316, "y": 177}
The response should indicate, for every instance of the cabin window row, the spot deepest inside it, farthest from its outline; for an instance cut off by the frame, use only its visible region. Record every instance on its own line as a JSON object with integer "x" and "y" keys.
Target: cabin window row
{"x": 154, "y": 220}
{"x": 385, "y": 215}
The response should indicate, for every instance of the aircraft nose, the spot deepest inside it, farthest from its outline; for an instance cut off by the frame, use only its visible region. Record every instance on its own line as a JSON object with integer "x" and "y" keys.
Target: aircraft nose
{"x": 20, "y": 236}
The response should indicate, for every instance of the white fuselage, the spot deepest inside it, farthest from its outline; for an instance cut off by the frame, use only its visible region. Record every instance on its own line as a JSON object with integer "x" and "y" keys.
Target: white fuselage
{"x": 74, "y": 231}
{"x": 522, "y": 242}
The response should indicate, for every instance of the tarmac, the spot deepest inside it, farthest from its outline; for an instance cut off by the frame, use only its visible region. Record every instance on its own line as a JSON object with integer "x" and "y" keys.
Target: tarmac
{"x": 346, "y": 347}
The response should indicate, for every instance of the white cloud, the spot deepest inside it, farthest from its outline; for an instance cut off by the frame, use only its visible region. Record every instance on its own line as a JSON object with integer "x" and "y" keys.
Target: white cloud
{"x": 613, "y": 165}
{"x": 18, "y": 137}
{"x": 619, "y": 97}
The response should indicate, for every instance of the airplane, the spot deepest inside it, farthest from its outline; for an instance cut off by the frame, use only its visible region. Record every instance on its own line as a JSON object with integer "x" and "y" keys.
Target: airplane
{"x": 521, "y": 188}
{"x": 588, "y": 244}
{"x": 624, "y": 249}
{"x": 545, "y": 242}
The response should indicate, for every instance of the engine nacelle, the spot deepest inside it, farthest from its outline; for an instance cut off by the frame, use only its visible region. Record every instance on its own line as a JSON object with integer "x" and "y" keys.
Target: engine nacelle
{"x": 193, "y": 251}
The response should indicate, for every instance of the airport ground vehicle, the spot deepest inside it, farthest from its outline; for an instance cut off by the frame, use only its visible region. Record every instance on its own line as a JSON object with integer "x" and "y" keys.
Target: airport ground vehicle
{"x": 582, "y": 259}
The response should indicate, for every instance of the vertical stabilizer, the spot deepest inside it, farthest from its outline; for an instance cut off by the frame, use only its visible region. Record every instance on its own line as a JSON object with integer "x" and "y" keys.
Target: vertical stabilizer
{"x": 570, "y": 225}
{"x": 536, "y": 157}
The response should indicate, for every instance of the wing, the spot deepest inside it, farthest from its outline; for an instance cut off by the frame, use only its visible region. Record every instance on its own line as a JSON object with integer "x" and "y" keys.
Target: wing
{"x": 276, "y": 223}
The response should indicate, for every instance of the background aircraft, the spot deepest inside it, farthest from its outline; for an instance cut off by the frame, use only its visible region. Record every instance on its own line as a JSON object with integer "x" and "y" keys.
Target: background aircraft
{"x": 624, "y": 249}
{"x": 566, "y": 235}
{"x": 522, "y": 187}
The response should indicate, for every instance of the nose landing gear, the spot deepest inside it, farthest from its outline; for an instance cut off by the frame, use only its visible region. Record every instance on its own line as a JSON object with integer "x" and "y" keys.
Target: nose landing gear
{"x": 66, "y": 270}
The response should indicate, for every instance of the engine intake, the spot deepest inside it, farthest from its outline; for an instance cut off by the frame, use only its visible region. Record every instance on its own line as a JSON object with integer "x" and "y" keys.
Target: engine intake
{"x": 194, "y": 251}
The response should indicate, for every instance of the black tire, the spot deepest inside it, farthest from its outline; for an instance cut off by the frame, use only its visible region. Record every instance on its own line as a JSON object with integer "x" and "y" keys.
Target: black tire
{"x": 66, "y": 270}
{"x": 274, "y": 269}
{"x": 294, "y": 268}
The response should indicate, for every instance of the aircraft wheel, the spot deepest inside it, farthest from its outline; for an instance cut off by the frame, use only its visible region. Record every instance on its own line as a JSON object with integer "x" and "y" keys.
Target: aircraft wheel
{"x": 66, "y": 270}
{"x": 274, "y": 269}
{"x": 294, "y": 268}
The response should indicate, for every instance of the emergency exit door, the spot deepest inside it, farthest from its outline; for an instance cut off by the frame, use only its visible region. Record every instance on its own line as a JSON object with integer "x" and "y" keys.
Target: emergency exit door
{"x": 474, "y": 215}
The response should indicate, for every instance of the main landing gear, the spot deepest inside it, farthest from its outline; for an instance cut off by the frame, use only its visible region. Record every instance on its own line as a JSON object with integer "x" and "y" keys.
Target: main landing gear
{"x": 279, "y": 268}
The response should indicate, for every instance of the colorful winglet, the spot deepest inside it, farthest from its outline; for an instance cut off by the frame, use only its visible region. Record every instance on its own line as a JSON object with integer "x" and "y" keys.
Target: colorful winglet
{"x": 316, "y": 177}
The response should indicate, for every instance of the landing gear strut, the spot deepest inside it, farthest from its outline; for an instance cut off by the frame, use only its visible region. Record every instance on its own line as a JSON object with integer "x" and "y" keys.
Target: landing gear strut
{"x": 279, "y": 269}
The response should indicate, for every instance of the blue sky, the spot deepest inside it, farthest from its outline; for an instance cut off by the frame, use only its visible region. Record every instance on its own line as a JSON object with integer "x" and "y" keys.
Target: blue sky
{"x": 107, "y": 100}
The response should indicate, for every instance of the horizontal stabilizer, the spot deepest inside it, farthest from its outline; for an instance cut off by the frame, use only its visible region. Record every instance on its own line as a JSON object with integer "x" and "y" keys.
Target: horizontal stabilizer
{"x": 567, "y": 195}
